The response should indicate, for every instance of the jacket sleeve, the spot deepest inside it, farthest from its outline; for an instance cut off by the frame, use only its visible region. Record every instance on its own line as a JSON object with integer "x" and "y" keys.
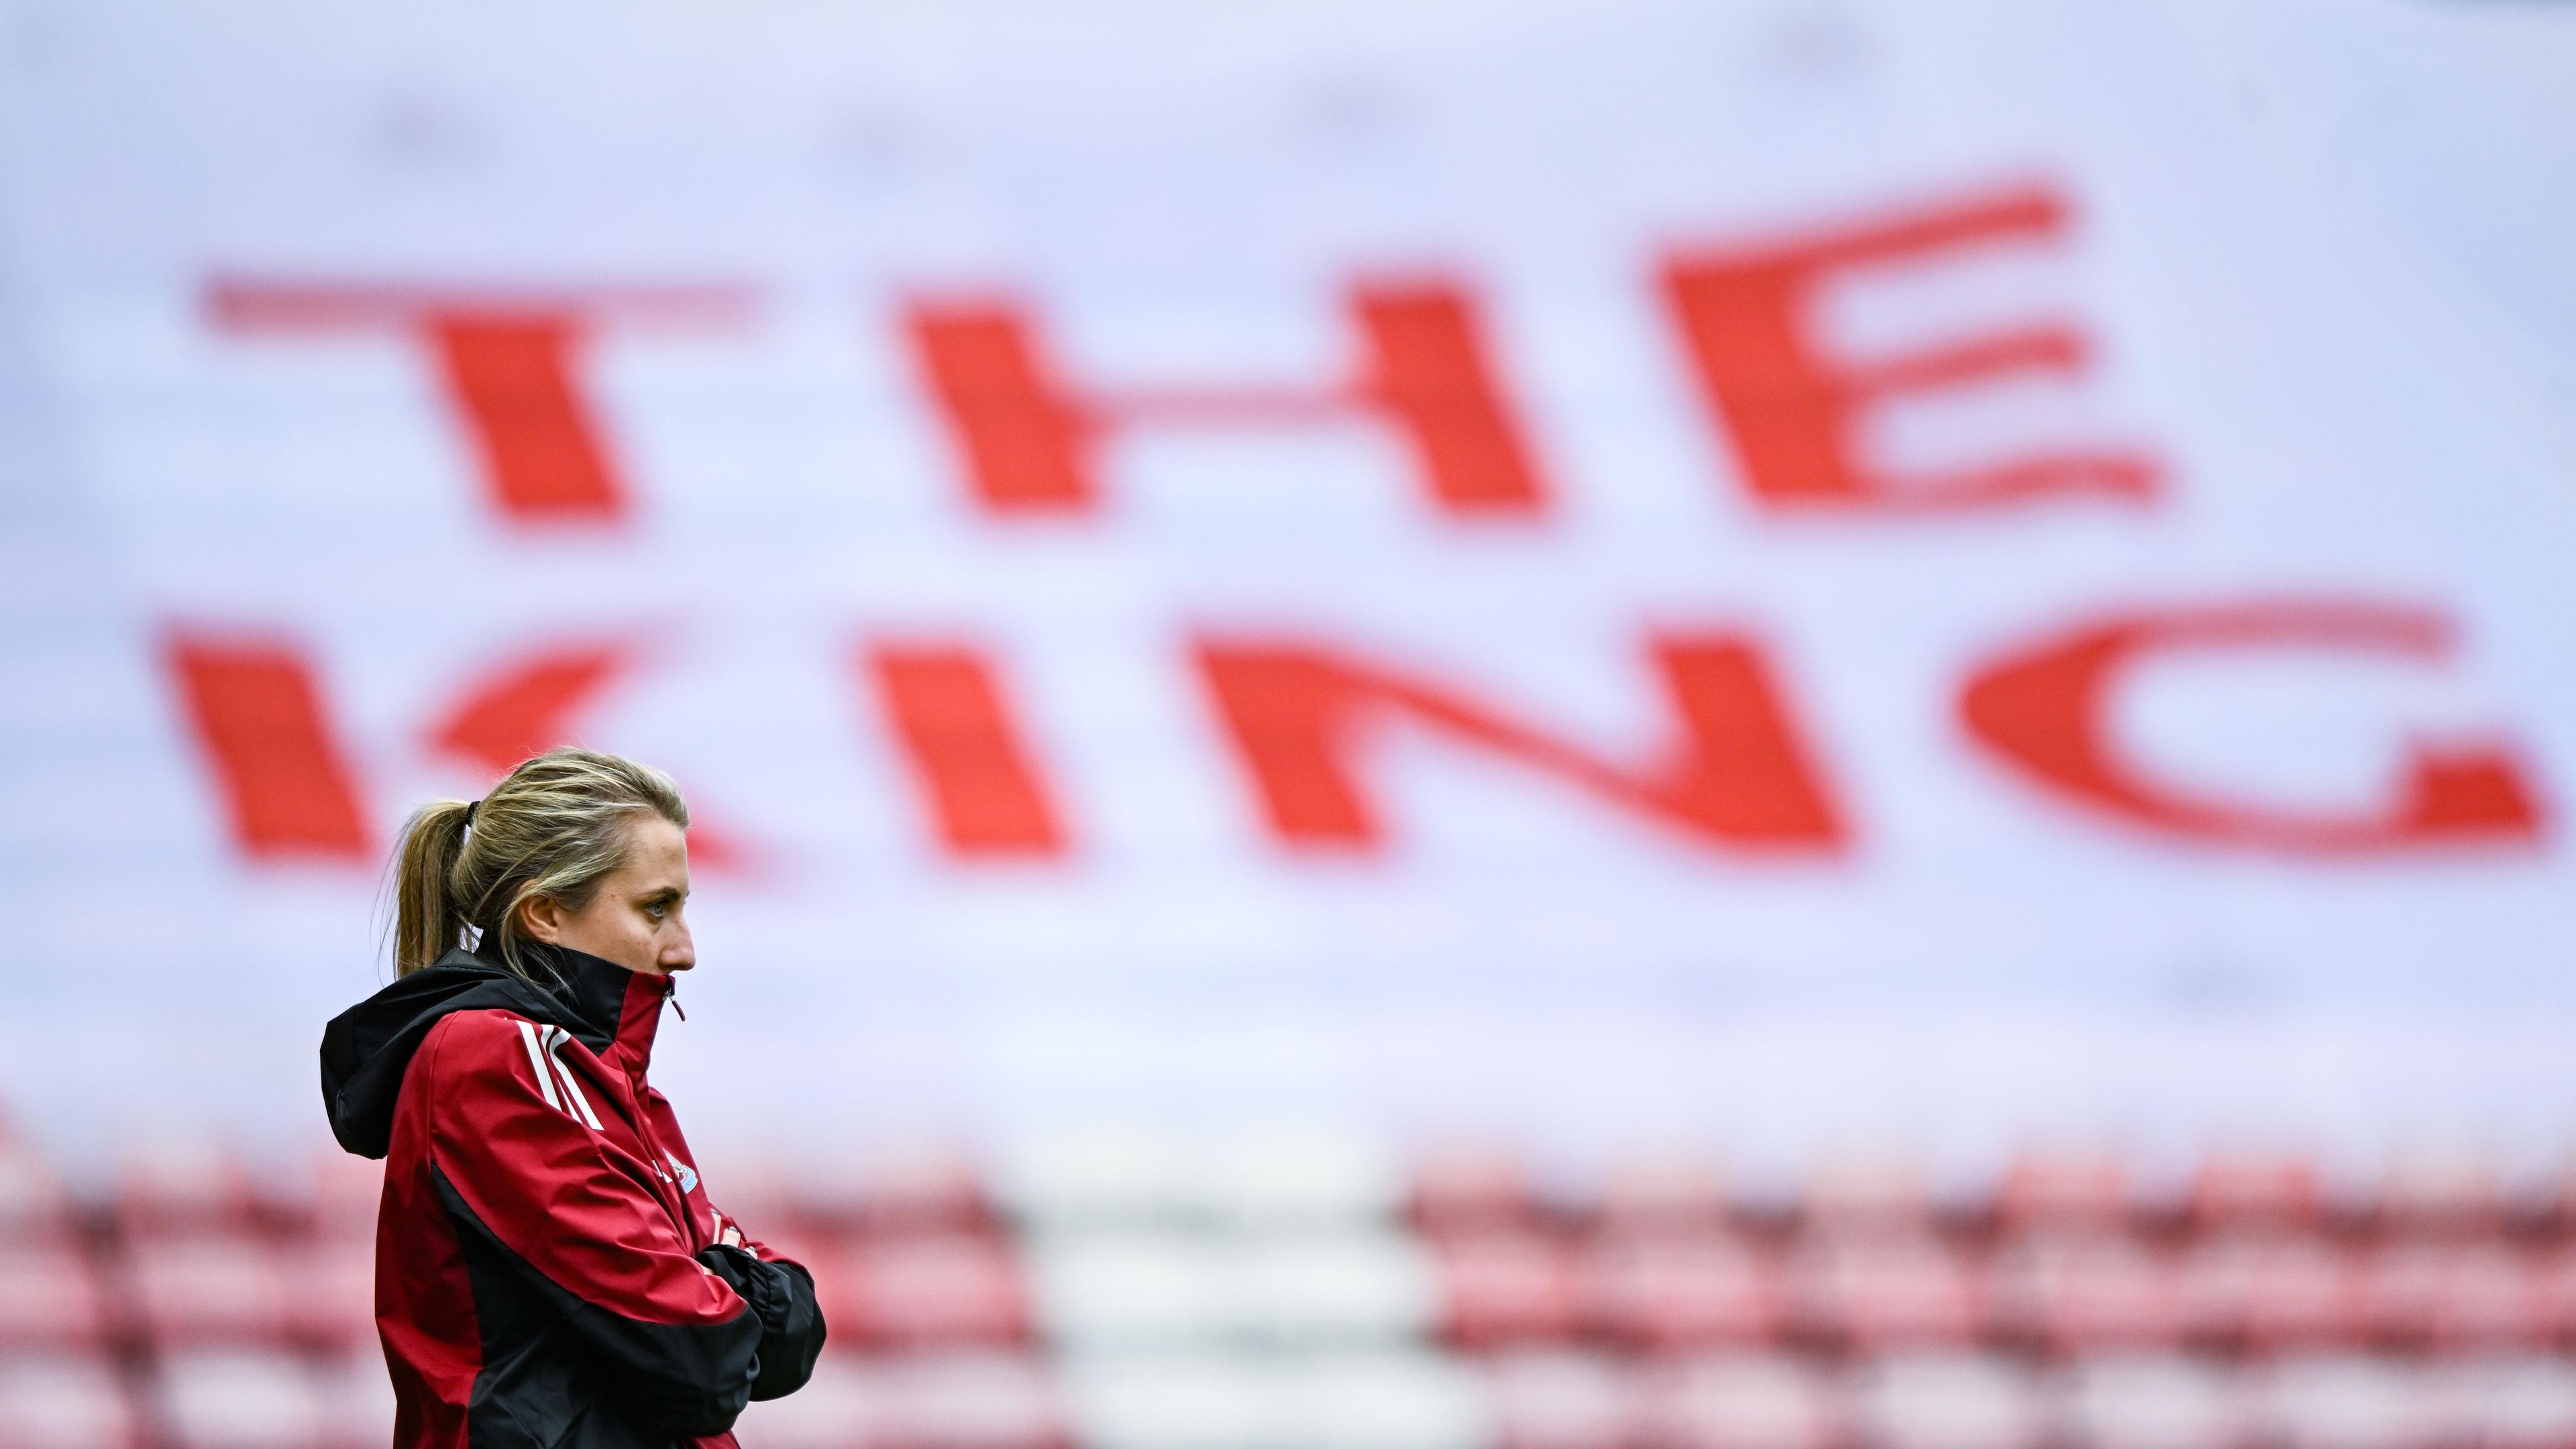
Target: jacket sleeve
{"x": 517, "y": 1165}
{"x": 781, "y": 1292}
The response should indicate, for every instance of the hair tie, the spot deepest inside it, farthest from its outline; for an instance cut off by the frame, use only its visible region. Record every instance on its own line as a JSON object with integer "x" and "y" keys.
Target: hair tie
{"x": 470, "y": 807}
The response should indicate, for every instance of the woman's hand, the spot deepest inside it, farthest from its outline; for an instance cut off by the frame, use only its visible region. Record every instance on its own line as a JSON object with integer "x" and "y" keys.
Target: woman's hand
{"x": 728, "y": 1232}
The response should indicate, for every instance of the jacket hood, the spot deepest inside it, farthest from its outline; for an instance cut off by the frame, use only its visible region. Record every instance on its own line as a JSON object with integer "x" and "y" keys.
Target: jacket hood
{"x": 367, "y": 1048}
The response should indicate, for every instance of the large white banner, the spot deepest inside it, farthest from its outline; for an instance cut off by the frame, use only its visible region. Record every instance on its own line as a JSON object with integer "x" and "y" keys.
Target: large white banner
{"x": 1771, "y": 569}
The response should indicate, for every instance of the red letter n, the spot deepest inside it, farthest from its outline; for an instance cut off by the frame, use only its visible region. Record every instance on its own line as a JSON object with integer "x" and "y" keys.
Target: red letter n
{"x": 959, "y": 737}
{"x": 1734, "y": 773}
{"x": 1030, "y": 439}
{"x": 1798, "y": 414}
{"x": 2046, "y": 711}
{"x": 511, "y": 368}
{"x": 258, "y": 717}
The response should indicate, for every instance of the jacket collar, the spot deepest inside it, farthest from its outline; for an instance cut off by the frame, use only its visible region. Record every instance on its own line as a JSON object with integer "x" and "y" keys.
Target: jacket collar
{"x": 616, "y": 1011}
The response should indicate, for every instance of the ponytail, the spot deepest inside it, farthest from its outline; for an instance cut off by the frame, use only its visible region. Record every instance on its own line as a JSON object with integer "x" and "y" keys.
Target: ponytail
{"x": 428, "y": 921}
{"x": 556, "y": 827}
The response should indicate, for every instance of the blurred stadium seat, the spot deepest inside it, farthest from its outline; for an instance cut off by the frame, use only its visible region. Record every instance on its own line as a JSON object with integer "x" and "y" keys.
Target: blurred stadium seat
{"x": 946, "y": 1288}
{"x": 186, "y": 1188}
{"x": 1878, "y": 1289}
{"x": 1555, "y": 1399}
{"x": 33, "y": 1206}
{"x": 1387, "y": 1400}
{"x": 202, "y": 1289}
{"x": 1666, "y": 1191}
{"x": 1506, "y": 1287}
{"x": 2340, "y": 1401}
{"x": 2509, "y": 1402}
{"x": 2428, "y": 1189}
{"x": 976, "y": 1401}
{"x": 1948, "y": 1402}
{"x": 242, "y": 1399}
{"x": 1169, "y": 1401}
{"x": 1332, "y": 1288}
{"x": 1763, "y": 1401}
{"x": 63, "y": 1401}
{"x": 841, "y": 1407}
{"x": 2267, "y": 1290}
{"x": 2255, "y": 1190}
{"x": 344, "y": 1192}
{"x": 1286, "y": 1180}
{"x": 2064, "y": 1190}
{"x": 2455, "y": 1294}
{"x": 2153, "y": 1401}
{"x": 357, "y": 1400}
{"x": 332, "y": 1292}
{"x": 1459, "y": 1186}
{"x": 1100, "y": 1181}
{"x": 1128, "y": 1289}
{"x": 2084, "y": 1291}
{"x": 1671, "y": 1290}
{"x": 49, "y": 1297}
{"x": 1872, "y": 1190}
{"x": 917, "y": 1189}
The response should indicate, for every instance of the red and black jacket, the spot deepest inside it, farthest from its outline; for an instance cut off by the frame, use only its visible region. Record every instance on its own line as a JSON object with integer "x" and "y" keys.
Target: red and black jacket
{"x": 547, "y": 1267}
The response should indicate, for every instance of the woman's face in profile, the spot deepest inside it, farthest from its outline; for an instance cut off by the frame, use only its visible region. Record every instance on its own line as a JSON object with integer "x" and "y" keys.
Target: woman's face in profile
{"x": 635, "y": 918}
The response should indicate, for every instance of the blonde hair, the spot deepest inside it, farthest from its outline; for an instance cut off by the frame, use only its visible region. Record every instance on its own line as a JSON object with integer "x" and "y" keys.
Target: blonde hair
{"x": 556, "y": 827}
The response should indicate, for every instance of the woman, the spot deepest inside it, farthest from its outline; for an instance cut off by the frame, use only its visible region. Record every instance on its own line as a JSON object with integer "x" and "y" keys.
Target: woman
{"x": 549, "y": 1271}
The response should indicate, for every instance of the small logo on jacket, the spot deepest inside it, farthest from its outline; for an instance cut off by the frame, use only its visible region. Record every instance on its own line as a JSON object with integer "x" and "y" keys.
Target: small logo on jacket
{"x": 688, "y": 1175}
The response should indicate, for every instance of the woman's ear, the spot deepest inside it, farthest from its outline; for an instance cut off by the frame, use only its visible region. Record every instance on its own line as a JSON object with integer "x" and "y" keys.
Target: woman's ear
{"x": 540, "y": 918}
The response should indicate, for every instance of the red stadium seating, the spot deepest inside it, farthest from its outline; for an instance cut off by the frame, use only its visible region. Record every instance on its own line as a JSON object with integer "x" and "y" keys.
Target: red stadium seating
{"x": 922, "y": 1190}
{"x": 1459, "y": 1188}
{"x": 956, "y": 1288}
{"x": 2066, "y": 1190}
{"x": 2428, "y": 1319}
{"x": 334, "y": 1300}
{"x": 185, "y": 1188}
{"x": 2234, "y": 1190}
{"x": 1505, "y": 1287}
{"x": 49, "y": 1298}
{"x": 33, "y": 1205}
{"x": 345, "y": 1192}
{"x": 207, "y": 1290}
{"x": 2556, "y": 1274}
{"x": 2454, "y": 1294}
{"x": 1875, "y": 1290}
{"x": 1661, "y": 1291}
{"x": 2431, "y": 1191}
{"x": 1877, "y": 1191}
{"x": 2083, "y": 1291}
{"x": 2264, "y": 1291}
{"x": 1668, "y": 1192}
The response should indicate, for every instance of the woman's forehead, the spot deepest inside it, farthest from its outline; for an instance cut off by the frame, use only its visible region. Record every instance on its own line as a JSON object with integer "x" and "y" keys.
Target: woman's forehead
{"x": 657, "y": 849}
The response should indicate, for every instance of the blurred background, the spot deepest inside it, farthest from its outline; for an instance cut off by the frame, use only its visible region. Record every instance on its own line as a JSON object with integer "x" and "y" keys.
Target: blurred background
{"x": 1788, "y": 724}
